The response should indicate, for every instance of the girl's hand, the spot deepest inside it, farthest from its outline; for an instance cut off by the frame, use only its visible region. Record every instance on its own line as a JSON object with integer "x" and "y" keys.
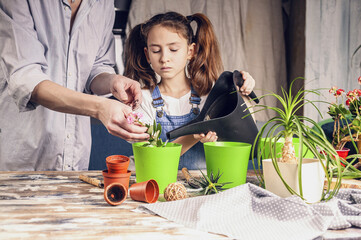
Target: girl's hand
{"x": 248, "y": 84}
{"x": 210, "y": 137}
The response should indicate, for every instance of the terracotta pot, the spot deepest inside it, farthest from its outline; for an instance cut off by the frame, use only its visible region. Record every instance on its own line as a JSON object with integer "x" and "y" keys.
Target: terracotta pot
{"x": 115, "y": 193}
{"x": 147, "y": 191}
{"x": 122, "y": 178}
{"x": 117, "y": 163}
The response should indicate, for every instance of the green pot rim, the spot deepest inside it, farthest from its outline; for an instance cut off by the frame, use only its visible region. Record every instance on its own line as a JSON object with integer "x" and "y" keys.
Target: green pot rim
{"x": 169, "y": 144}
{"x": 227, "y": 144}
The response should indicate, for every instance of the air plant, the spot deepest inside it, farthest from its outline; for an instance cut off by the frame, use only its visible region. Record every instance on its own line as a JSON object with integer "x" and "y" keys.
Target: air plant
{"x": 208, "y": 185}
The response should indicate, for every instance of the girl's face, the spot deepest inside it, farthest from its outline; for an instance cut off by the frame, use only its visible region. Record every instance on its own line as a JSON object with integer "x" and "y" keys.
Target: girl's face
{"x": 168, "y": 52}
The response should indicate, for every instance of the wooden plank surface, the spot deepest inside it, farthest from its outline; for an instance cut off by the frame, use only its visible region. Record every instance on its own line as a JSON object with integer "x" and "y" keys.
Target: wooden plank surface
{"x": 58, "y": 205}
{"x": 347, "y": 183}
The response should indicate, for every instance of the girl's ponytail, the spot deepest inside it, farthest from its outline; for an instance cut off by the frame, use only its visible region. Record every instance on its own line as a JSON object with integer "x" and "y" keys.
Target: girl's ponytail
{"x": 136, "y": 64}
{"x": 206, "y": 65}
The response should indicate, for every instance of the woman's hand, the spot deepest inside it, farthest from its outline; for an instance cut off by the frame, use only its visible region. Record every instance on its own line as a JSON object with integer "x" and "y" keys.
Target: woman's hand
{"x": 113, "y": 114}
{"x": 126, "y": 90}
{"x": 248, "y": 84}
{"x": 210, "y": 137}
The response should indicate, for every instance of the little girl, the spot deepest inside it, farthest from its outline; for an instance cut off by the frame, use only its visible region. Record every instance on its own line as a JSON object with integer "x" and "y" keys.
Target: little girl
{"x": 177, "y": 70}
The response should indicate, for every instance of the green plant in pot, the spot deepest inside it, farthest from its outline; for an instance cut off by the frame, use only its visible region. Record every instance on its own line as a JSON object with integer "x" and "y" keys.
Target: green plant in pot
{"x": 155, "y": 159}
{"x": 289, "y": 174}
{"x": 347, "y": 124}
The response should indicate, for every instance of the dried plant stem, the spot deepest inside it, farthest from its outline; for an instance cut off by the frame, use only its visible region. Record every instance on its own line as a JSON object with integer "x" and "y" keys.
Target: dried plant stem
{"x": 336, "y": 129}
{"x": 355, "y": 137}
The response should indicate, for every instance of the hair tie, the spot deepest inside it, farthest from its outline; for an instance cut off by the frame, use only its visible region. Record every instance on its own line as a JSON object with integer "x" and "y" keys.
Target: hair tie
{"x": 190, "y": 18}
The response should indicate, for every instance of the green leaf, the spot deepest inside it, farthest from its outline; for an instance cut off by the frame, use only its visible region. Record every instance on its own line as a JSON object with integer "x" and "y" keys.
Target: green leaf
{"x": 154, "y": 126}
{"x": 159, "y": 143}
{"x": 155, "y": 131}
{"x": 150, "y": 131}
{"x": 356, "y": 122}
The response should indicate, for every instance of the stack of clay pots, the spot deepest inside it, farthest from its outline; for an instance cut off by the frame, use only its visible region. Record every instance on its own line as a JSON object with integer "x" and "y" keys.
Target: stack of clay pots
{"x": 116, "y": 183}
{"x": 116, "y": 179}
{"x": 117, "y": 171}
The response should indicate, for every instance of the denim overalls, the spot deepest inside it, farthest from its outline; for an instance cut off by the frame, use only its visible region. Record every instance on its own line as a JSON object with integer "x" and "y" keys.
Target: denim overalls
{"x": 194, "y": 157}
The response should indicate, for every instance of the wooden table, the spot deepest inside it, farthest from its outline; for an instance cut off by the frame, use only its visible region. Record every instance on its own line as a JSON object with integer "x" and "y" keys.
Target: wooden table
{"x": 57, "y": 205}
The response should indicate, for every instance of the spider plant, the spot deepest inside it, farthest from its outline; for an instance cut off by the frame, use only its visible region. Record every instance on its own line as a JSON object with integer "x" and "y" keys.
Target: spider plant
{"x": 287, "y": 124}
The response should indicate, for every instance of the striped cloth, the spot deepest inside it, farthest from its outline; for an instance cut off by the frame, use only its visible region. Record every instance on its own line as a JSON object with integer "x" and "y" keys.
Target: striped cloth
{"x": 251, "y": 212}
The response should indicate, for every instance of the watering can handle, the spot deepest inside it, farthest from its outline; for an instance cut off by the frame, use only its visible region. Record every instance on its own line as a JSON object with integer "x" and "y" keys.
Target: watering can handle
{"x": 237, "y": 78}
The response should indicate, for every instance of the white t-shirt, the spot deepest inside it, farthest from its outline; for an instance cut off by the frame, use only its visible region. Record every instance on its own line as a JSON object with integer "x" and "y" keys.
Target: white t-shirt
{"x": 172, "y": 106}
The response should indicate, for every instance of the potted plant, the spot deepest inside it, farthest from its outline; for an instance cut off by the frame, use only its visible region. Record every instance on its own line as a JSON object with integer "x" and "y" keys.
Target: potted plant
{"x": 155, "y": 159}
{"x": 290, "y": 175}
{"x": 347, "y": 123}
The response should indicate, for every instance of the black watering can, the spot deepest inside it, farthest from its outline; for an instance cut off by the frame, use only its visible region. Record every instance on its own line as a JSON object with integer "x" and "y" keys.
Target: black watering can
{"x": 223, "y": 113}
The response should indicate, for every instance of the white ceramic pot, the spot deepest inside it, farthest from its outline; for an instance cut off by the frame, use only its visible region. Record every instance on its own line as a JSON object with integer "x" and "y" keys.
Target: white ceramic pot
{"x": 313, "y": 177}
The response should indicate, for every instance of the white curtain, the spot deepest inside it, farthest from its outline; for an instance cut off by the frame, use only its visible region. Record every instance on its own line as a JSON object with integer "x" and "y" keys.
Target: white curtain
{"x": 333, "y": 33}
{"x": 250, "y": 34}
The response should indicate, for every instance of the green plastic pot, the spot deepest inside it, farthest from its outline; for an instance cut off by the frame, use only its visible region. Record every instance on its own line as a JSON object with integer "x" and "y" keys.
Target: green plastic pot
{"x": 230, "y": 158}
{"x": 296, "y": 141}
{"x": 158, "y": 163}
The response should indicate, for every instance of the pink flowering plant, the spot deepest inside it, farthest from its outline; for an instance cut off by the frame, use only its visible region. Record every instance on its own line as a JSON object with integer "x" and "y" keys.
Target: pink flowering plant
{"x": 346, "y": 113}
{"x": 135, "y": 118}
{"x": 154, "y": 130}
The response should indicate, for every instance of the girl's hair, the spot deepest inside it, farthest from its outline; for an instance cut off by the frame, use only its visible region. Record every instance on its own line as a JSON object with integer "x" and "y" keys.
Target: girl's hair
{"x": 203, "y": 69}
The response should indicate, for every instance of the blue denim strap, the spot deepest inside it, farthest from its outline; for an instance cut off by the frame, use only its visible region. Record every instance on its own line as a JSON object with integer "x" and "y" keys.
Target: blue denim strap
{"x": 157, "y": 101}
{"x": 157, "y": 98}
{"x": 194, "y": 98}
